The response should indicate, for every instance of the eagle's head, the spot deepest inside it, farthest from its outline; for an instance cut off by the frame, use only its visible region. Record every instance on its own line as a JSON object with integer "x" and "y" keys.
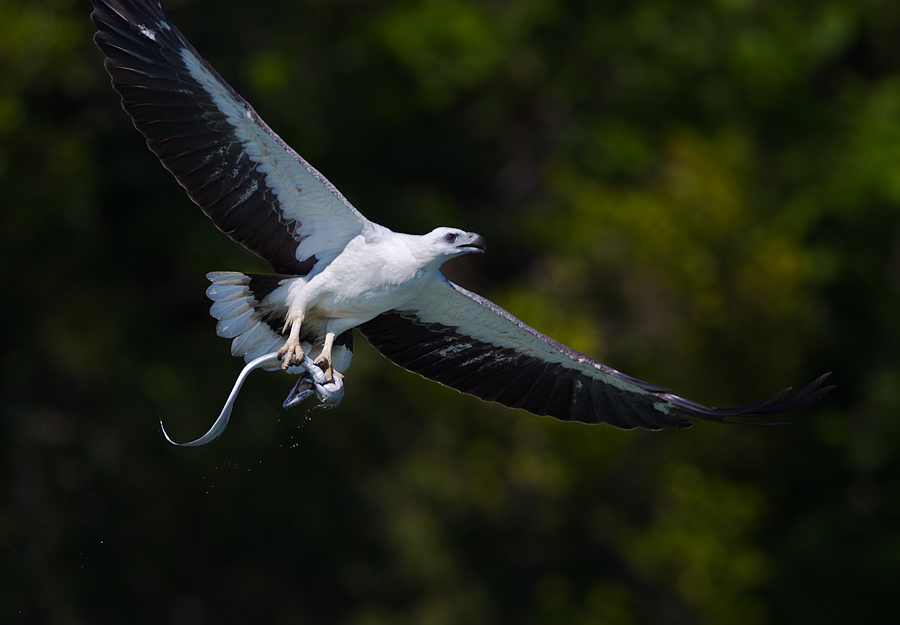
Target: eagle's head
{"x": 446, "y": 243}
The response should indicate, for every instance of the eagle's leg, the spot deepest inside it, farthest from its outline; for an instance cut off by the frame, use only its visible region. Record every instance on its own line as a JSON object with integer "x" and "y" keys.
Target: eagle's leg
{"x": 291, "y": 353}
{"x": 324, "y": 358}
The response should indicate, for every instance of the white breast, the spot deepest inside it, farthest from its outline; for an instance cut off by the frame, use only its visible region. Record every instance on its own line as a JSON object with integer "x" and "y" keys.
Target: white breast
{"x": 368, "y": 278}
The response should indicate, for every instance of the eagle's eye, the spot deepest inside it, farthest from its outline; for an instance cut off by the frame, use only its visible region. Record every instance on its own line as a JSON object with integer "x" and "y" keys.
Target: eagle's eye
{"x": 450, "y": 237}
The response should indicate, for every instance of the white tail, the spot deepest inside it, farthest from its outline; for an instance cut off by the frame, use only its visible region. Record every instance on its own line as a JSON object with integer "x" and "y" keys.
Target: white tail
{"x": 243, "y": 317}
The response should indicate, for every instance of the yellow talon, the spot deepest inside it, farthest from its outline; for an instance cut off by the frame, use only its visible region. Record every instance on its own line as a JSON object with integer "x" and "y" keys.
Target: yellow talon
{"x": 291, "y": 354}
{"x": 325, "y": 365}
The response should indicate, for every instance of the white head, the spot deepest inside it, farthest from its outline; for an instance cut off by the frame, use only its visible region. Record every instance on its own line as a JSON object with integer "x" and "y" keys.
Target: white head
{"x": 442, "y": 244}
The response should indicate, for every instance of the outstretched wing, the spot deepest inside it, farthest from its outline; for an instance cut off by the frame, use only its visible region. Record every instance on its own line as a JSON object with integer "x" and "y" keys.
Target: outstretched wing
{"x": 468, "y": 343}
{"x": 254, "y": 187}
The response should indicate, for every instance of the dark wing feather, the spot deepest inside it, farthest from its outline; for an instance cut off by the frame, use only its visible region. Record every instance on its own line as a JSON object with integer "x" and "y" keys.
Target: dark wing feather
{"x": 253, "y": 186}
{"x": 468, "y": 343}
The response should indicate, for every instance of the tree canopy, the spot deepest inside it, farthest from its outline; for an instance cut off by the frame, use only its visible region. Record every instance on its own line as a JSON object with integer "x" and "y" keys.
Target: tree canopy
{"x": 705, "y": 195}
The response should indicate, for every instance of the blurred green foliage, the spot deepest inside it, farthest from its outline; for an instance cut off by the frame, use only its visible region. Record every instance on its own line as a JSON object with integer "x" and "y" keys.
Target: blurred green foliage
{"x": 702, "y": 194}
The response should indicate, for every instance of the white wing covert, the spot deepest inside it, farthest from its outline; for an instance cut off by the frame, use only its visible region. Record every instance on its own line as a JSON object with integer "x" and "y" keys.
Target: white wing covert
{"x": 254, "y": 187}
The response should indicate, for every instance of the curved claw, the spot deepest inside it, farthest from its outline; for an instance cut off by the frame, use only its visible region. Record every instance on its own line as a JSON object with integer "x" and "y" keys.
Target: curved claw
{"x": 291, "y": 354}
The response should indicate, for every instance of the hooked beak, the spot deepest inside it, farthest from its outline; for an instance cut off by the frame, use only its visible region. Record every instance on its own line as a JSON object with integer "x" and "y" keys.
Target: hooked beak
{"x": 473, "y": 243}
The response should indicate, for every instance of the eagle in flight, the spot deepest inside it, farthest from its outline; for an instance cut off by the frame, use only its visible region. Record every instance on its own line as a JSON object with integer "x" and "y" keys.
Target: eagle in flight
{"x": 336, "y": 270}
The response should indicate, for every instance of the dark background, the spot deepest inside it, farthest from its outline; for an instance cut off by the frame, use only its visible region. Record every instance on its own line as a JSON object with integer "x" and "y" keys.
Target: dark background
{"x": 703, "y": 194}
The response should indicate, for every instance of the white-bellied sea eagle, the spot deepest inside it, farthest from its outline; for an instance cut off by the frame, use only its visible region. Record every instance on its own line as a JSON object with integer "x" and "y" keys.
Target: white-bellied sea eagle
{"x": 336, "y": 270}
